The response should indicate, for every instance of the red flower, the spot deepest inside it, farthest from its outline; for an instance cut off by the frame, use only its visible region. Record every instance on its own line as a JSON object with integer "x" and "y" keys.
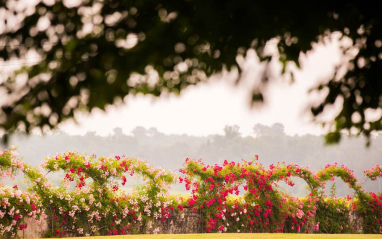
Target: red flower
{"x": 15, "y": 187}
{"x": 72, "y": 170}
{"x": 33, "y": 207}
{"x": 80, "y": 170}
{"x": 268, "y": 204}
{"x": 21, "y": 227}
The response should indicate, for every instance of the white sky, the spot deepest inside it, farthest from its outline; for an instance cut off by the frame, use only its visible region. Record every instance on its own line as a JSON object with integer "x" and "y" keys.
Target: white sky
{"x": 206, "y": 108}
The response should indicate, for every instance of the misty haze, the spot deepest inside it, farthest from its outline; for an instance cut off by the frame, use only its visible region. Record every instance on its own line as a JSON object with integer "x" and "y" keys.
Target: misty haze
{"x": 270, "y": 143}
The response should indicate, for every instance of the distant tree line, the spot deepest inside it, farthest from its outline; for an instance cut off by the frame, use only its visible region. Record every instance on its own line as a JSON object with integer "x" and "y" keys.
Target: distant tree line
{"x": 270, "y": 143}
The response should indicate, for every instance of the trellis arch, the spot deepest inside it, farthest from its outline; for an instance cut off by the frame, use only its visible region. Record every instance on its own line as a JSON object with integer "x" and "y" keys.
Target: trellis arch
{"x": 101, "y": 171}
{"x": 333, "y": 170}
{"x": 105, "y": 173}
{"x": 284, "y": 172}
{"x": 211, "y": 185}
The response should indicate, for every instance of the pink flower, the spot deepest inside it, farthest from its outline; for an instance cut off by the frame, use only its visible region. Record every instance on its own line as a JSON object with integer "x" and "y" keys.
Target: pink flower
{"x": 317, "y": 226}
{"x": 300, "y": 213}
{"x": 156, "y": 230}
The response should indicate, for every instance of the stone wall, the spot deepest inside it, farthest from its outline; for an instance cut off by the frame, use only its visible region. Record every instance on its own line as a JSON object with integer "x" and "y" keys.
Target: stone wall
{"x": 179, "y": 223}
{"x": 356, "y": 221}
{"x": 185, "y": 223}
{"x": 32, "y": 231}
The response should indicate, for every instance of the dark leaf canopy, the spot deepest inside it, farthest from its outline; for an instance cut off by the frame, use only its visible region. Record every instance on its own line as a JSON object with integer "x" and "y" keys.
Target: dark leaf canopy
{"x": 95, "y": 53}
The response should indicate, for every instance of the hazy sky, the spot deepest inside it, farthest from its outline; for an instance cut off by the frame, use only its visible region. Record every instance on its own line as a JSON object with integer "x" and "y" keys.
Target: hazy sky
{"x": 206, "y": 108}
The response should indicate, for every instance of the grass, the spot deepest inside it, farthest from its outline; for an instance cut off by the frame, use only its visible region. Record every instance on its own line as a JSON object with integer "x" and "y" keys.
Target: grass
{"x": 240, "y": 236}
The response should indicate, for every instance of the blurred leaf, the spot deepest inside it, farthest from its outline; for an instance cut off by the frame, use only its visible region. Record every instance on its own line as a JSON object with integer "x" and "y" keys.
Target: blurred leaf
{"x": 94, "y": 55}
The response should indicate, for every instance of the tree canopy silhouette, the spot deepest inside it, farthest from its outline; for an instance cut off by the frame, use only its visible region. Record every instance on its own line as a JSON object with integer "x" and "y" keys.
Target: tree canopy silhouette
{"x": 92, "y": 53}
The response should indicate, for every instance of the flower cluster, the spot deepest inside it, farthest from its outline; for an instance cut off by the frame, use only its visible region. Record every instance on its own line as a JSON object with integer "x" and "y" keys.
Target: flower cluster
{"x": 97, "y": 205}
{"x": 264, "y": 209}
{"x": 16, "y": 205}
{"x": 374, "y": 173}
{"x": 333, "y": 215}
{"x": 346, "y": 174}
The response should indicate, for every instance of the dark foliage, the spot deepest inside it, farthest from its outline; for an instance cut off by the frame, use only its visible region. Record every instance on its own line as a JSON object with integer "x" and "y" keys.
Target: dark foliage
{"x": 182, "y": 43}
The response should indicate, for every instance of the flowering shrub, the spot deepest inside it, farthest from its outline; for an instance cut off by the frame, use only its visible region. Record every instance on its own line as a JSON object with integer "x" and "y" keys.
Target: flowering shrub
{"x": 369, "y": 205}
{"x": 332, "y": 215}
{"x": 300, "y": 215}
{"x": 90, "y": 200}
{"x": 262, "y": 209}
{"x": 15, "y": 205}
{"x": 97, "y": 206}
